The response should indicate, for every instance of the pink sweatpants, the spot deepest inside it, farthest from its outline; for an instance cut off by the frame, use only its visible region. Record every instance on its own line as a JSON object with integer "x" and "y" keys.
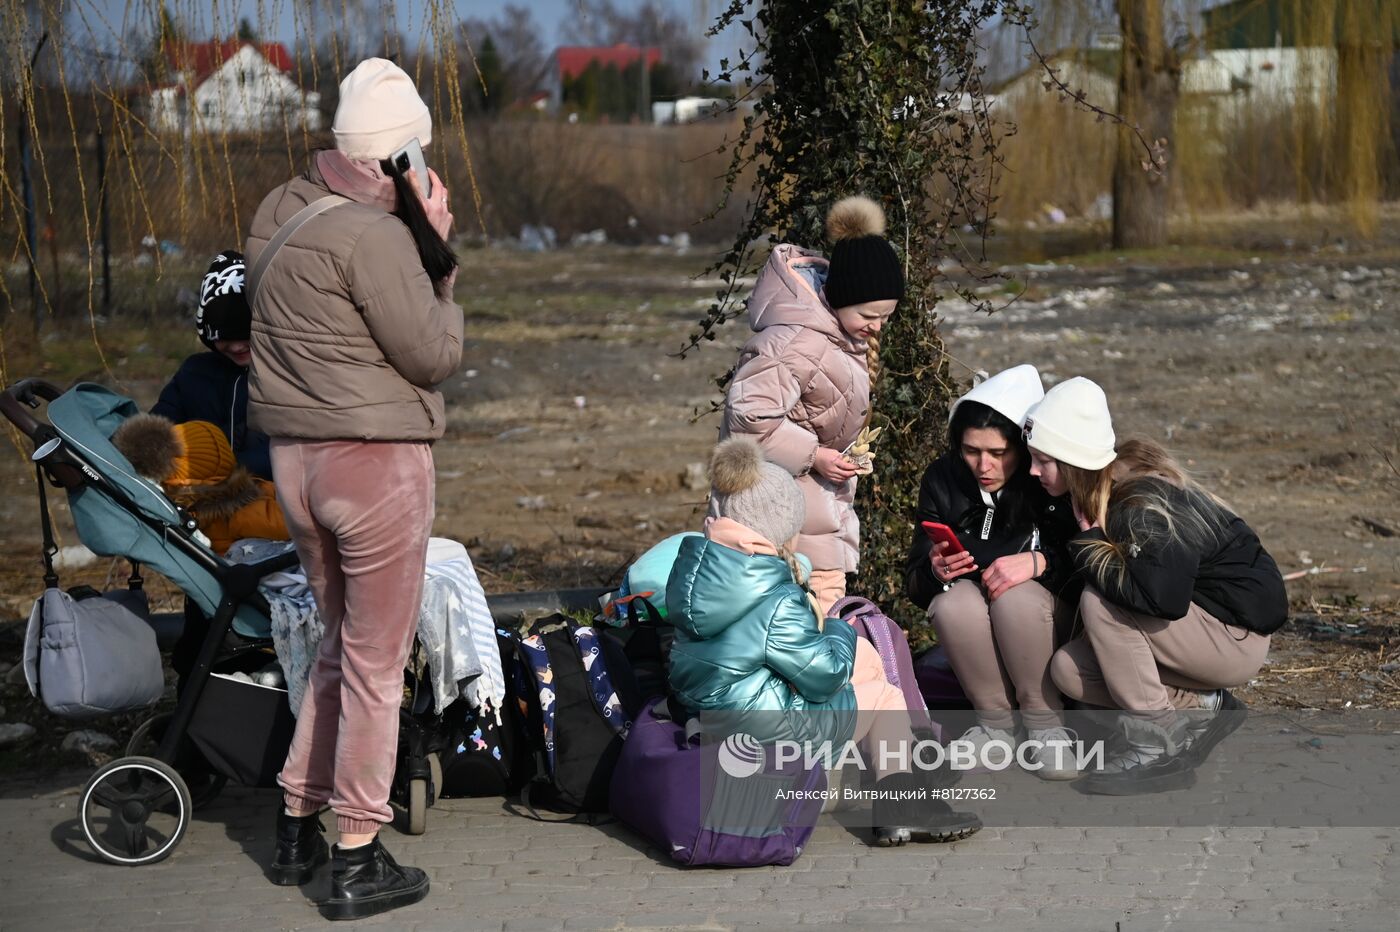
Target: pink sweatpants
{"x": 360, "y": 514}
{"x": 873, "y": 692}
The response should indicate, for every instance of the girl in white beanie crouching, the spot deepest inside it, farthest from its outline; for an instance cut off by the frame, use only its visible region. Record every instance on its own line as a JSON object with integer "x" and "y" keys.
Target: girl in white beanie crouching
{"x": 1002, "y": 605}
{"x": 1180, "y": 597}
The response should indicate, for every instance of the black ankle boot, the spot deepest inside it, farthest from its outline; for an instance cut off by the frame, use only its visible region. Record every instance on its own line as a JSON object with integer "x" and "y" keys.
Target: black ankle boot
{"x": 300, "y": 849}
{"x": 904, "y": 811}
{"x": 366, "y": 881}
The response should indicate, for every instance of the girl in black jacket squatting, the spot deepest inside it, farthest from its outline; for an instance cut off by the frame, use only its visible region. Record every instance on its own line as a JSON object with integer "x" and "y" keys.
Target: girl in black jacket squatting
{"x": 1180, "y": 597}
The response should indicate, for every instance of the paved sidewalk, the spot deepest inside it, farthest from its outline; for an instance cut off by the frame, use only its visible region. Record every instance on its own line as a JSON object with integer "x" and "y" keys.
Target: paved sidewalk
{"x": 494, "y": 870}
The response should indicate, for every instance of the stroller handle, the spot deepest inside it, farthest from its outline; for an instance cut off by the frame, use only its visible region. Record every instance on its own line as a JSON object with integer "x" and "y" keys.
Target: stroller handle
{"x": 15, "y": 402}
{"x": 23, "y": 395}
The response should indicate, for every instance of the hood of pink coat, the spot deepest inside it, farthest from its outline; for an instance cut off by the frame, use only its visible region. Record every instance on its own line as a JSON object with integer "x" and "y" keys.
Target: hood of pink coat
{"x": 788, "y": 292}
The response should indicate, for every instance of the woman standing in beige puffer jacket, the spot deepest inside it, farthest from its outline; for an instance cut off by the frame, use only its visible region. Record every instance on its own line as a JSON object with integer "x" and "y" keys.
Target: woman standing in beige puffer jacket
{"x": 353, "y": 330}
{"x": 802, "y": 383}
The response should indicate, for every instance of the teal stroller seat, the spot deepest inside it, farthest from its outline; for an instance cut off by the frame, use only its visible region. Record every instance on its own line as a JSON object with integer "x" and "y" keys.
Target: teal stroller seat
{"x": 135, "y": 809}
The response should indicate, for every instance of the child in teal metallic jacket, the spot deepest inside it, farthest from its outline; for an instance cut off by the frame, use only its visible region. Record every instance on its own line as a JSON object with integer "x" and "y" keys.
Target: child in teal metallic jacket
{"x": 751, "y": 639}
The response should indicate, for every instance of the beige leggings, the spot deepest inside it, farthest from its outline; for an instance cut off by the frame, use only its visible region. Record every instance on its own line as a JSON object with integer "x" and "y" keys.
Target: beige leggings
{"x": 1001, "y": 651}
{"x": 829, "y": 586}
{"x": 1125, "y": 660}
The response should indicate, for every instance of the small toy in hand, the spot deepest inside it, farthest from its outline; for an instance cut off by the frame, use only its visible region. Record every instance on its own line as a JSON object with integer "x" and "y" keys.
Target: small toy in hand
{"x": 860, "y": 451}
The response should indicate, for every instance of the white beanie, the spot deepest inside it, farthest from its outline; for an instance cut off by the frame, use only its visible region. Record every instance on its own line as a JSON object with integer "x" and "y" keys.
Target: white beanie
{"x": 1073, "y": 425}
{"x": 1010, "y": 393}
{"x": 379, "y": 111}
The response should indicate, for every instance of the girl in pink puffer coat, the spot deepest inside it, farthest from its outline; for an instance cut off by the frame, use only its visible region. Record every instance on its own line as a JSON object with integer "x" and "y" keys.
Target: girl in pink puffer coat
{"x": 802, "y": 384}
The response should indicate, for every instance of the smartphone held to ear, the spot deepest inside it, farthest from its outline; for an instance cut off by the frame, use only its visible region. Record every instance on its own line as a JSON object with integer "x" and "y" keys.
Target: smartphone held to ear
{"x": 410, "y": 158}
{"x": 943, "y": 534}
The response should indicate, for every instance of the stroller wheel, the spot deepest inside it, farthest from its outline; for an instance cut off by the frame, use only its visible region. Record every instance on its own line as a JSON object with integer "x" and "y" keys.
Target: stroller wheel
{"x": 435, "y": 769}
{"x": 417, "y": 806}
{"x": 204, "y": 784}
{"x": 135, "y": 810}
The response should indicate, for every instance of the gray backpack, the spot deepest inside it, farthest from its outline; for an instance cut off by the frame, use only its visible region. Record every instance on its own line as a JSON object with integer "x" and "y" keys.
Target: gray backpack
{"x": 92, "y": 654}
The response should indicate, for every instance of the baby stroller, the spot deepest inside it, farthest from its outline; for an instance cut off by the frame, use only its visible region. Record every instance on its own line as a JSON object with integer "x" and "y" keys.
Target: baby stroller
{"x": 135, "y": 809}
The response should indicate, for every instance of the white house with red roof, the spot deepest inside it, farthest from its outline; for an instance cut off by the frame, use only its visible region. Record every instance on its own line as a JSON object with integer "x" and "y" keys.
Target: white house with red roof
{"x": 232, "y": 86}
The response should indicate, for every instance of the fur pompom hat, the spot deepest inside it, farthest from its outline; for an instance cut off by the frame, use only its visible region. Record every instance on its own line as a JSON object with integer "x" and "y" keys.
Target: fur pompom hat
{"x": 758, "y": 494}
{"x": 192, "y": 461}
{"x": 165, "y": 452}
{"x": 863, "y": 266}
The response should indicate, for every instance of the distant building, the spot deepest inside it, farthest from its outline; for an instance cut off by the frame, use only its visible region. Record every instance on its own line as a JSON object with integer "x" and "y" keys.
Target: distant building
{"x": 687, "y": 109}
{"x": 1095, "y": 72}
{"x": 569, "y": 62}
{"x": 1263, "y": 79}
{"x": 232, "y": 86}
{"x": 1260, "y": 79}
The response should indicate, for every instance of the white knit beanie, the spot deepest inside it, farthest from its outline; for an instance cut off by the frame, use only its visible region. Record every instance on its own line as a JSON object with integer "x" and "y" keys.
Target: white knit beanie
{"x": 379, "y": 111}
{"x": 1073, "y": 425}
{"x": 758, "y": 494}
{"x": 1010, "y": 393}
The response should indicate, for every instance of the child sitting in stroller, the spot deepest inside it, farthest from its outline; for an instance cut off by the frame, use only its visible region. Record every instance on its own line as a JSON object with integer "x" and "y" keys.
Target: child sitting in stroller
{"x": 195, "y": 465}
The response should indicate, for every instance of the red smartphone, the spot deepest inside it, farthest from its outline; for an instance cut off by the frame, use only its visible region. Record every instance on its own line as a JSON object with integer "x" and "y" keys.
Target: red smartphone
{"x": 942, "y": 533}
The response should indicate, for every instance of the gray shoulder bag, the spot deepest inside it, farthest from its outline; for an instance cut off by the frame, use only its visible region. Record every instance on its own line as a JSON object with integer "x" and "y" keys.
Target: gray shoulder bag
{"x": 85, "y": 653}
{"x": 284, "y": 233}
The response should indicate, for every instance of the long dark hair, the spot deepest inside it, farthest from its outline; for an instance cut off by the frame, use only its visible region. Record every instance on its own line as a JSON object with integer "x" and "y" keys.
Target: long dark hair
{"x": 438, "y": 258}
{"x": 1014, "y": 500}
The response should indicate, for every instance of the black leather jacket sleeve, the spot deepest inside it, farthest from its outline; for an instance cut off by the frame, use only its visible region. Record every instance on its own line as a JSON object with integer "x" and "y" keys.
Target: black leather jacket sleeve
{"x": 919, "y": 583}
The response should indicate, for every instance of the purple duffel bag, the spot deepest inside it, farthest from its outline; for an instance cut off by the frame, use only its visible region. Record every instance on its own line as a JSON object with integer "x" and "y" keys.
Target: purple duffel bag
{"x": 672, "y": 791}
{"x": 937, "y": 681}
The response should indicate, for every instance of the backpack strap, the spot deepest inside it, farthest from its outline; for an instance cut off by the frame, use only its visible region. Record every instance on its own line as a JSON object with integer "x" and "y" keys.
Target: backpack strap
{"x": 852, "y": 606}
{"x": 600, "y": 685}
{"x": 648, "y": 615}
{"x": 884, "y": 646}
{"x": 535, "y": 660}
{"x": 284, "y": 233}
{"x": 873, "y": 625}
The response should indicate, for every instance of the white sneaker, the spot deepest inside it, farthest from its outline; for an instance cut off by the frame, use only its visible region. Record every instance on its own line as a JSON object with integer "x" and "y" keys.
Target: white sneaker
{"x": 979, "y": 736}
{"x": 1053, "y": 750}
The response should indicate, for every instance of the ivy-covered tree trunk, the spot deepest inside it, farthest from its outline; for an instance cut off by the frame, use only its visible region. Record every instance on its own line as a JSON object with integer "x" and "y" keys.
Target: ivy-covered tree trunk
{"x": 884, "y": 99}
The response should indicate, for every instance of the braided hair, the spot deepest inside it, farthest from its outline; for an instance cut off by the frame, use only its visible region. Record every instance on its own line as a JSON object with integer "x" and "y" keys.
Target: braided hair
{"x": 800, "y": 576}
{"x": 872, "y": 364}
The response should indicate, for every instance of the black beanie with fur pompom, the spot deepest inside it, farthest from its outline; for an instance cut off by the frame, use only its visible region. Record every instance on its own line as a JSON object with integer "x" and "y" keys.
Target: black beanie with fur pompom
{"x": 864, "y": 266}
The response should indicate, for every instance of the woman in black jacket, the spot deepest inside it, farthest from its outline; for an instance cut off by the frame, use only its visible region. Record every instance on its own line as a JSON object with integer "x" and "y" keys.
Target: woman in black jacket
{"x": 994, "y": 606}
{"x": 1180, "y": 597}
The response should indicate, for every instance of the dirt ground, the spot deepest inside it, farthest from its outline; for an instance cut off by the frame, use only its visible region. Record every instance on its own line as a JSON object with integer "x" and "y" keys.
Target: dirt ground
{"x": 572, "y": 424}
